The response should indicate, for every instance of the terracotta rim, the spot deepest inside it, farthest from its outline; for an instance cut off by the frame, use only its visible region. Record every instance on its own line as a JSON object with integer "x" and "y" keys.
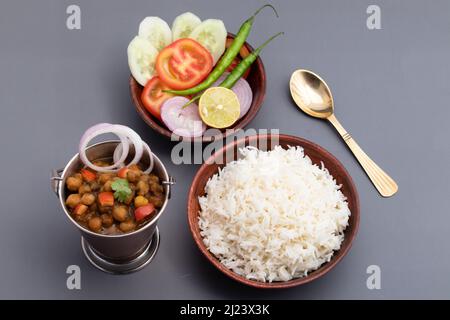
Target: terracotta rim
{"x": 257, "y": 81}
{"x": 337, "y": 168}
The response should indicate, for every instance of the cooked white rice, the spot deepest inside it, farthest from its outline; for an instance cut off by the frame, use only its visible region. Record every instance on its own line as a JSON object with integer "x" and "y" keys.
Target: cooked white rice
{"x": 273, "y": 216}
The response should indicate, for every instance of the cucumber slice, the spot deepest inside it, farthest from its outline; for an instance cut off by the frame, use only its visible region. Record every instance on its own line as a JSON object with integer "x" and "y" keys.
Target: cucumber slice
{"x": 184, "y": 24}
{"x": 212, "y": 35}
{"x": 141, "y": 59}
{"x": 157, "y": 31}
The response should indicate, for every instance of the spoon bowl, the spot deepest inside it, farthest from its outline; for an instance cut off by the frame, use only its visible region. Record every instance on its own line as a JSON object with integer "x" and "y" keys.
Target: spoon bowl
{"x": 311, "y": 94}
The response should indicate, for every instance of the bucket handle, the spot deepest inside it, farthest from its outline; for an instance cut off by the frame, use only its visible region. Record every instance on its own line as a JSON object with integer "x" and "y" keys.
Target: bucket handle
{"x": 169, "y": 185}
{"x": 55, "y": 180}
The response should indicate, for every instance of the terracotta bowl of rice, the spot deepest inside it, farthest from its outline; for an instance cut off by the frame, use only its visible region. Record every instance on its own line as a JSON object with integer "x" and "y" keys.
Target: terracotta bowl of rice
{"x": 273, "y": 211}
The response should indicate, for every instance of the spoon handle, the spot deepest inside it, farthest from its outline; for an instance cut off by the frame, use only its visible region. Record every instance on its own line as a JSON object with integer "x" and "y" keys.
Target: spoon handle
{"x": 385, "y": 185}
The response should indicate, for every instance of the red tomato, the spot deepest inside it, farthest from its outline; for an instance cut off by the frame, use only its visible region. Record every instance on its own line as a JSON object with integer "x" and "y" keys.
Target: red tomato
{"x": 122, "y": 173}
{"x": 153, "y": 96}
{"x": 143, "y": 212}
{"x": 106, "y": 199}
{"x": 88, "y": 175}
{"x": 80, "y": 209}
{"x": 183, "y": 64}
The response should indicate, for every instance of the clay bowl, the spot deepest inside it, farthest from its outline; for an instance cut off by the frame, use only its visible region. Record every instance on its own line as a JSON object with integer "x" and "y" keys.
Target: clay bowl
{"x": 256, "y": 79}
{"x": 317, "y": 154}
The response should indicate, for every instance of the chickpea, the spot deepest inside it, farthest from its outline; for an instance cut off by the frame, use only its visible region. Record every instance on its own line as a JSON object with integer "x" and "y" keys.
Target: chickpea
{"x": 104, "y": 209}
{"x": 73, "y": 200}
{"x": 120, "y": 213}
{"x": 127, "y": 226}
{"x": 156, "y": 188}
{"x": 142, "y": 187}
{"x": 129, "y": 200}
{"x": 153, "y": 178}
{"x": 157, "y": 200}
{"x": 140, "y": 201}
{"x": 144, "y": 178}
{"x": 94, "y": 186}
{"x": 93, "y": 207}
{"x": 104, "y": 177}
{"x": 74, "y": 183}
{"x": 134, "y": 167}
{"x": 107, "y": 220}
{"x": 88, "y": 199}
{"x": 133, "y": 175}
{"x": 80, "y": 218}
{"x": 95, "y": 224}
{"x": 85, "y": 188}
{"x": 107, "y": 186}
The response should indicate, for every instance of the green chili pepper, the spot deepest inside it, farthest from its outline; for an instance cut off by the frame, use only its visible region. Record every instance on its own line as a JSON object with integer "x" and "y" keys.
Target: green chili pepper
{"x": 240, "y": 69}
{"x": 227, "y": 57}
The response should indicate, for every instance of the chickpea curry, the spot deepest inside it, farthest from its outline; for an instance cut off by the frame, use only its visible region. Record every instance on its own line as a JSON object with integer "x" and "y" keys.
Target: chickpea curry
{"x": 114, "y": 203}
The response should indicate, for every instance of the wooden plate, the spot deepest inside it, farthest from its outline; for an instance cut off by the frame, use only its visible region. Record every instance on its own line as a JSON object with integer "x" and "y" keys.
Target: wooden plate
{"x": 256, "y": 79}
{"x": 317, "y": 155}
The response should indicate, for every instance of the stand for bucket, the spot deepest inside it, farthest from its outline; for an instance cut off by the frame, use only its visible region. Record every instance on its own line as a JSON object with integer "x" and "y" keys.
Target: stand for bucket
{"x": 126, "y": 266}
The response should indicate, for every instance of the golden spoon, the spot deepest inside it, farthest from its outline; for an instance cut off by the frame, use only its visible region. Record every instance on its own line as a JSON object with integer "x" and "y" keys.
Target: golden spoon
{"x": 312, "y": 95}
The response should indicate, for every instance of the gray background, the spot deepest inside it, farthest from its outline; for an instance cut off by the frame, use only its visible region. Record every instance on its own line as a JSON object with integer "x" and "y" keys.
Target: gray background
{"x": 391, "y": 87}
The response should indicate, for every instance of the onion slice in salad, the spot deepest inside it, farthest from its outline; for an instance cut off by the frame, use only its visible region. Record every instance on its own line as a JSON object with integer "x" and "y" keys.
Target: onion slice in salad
{"x": 185, "y": 122}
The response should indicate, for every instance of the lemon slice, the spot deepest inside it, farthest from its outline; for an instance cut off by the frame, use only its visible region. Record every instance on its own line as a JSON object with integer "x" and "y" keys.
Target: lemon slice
{"x": 219, "y": 107}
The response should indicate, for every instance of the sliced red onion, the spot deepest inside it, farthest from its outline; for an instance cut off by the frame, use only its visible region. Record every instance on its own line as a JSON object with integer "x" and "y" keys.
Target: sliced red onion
{"x": 126, "y": 135}
{"x": 243, "y": 92}
{"x": 118, "y": 150}
{"x": 135, "y": 139}
{"x": 150, "y": 156}
{"x": 95, "y": 131}
{"x": 185, "y": 122}
{"x": 117, "y": 154}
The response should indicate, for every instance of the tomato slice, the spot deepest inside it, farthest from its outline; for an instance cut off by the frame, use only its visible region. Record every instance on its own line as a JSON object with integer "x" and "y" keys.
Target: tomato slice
{"x": 153, "y": 96}
{"x": 143, "y": 212}
{"x": 122, "y": 173}
{"x": 183, "y": 64}
{"x": 88, "y": 175}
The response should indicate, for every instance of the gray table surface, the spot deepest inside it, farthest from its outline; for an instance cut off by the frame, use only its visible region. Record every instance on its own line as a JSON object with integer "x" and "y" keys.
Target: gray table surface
{"x": 391, "y": 88}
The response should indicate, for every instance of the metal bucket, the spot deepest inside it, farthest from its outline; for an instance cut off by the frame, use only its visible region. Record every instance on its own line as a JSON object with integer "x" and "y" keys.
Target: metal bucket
{"x": 122, "y": 253}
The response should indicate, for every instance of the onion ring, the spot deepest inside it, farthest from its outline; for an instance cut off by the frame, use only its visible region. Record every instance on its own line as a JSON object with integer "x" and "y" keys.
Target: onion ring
{"x": 95, "y": 131}
{"x": 127, "y": 137}
{"x": 146, "y": 148}
{"x": 135, "y": 140}
{"x": 150, "y": 156}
